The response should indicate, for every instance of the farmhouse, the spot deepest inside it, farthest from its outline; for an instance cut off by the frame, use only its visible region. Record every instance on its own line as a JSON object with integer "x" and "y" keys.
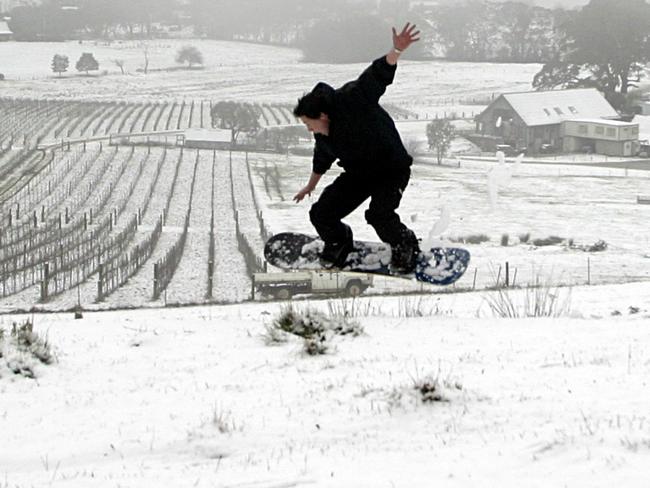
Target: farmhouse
{"x": 5, "y": 32}
{"x": 578, "y": 120}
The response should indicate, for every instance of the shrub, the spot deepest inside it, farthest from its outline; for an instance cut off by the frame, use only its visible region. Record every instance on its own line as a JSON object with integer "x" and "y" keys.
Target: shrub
{"x": 22, "y": 348}
{"x": 524, "y": 238}
{"x": 471, "y": 239}
{"x": 432, "y": 389}
{"x": 598, "y": 246}
{"x": 314, "y": 327}
{"x": 548, "y": 241}
{"x": 505, "y": 238}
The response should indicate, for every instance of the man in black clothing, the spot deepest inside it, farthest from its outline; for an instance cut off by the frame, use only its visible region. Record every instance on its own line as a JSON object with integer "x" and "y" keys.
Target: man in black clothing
{"x": 349, "y": 125}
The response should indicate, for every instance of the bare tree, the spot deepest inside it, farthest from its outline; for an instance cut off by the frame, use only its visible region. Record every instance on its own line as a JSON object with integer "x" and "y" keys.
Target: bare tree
{"x": 145, "y": 51}
{"x": 120, "y": 64}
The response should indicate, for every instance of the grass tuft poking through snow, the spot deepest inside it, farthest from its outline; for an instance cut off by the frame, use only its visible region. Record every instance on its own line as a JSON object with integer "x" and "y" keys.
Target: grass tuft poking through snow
{"x": 432, "y": 389}
{"x": 316, "y": 328}
{"x": 352, "y": 308}
{"x": 540, "y": 300}
{"x": 22, "y": 349}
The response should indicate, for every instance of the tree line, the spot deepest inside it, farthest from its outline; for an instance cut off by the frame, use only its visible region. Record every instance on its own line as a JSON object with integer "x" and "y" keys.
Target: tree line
{"x": 332, "y": 31}
{"x": 606, "y": 44}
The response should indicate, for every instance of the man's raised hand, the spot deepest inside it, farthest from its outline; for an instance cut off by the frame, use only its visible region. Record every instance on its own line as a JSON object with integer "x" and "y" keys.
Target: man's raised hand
{"x": 405, "y": 38}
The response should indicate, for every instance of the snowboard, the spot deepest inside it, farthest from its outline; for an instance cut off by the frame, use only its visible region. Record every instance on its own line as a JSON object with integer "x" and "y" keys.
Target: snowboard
{"x": 438, "y": 266}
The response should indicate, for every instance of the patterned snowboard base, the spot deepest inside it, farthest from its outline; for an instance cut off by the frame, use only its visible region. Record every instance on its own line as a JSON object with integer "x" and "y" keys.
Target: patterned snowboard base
{"x": 438, "y": 266}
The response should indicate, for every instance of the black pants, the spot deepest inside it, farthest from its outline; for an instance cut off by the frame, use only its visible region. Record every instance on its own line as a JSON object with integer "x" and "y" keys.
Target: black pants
{"x": 348, "y": 192}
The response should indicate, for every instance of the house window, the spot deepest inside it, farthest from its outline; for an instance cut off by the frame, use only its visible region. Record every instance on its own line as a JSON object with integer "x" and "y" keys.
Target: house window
{"x": 558, "y": 110}
{"x": 547, "y": 111}
{"x": 635, "y": 131}
{"x": 582, "y": 129}
{"x": 611, "y": 132}
{"x": 573, "y": 109}
{"x": 600, "y": 130}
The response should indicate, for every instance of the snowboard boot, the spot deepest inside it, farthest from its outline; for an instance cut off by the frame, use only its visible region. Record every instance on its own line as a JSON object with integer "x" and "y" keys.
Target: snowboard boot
{"x": 335, "y": 254}
{"x": 404, "y": 255}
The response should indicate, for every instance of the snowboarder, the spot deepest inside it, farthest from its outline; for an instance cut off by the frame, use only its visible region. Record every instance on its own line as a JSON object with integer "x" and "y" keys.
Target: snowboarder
{"x": 349, "y": 125}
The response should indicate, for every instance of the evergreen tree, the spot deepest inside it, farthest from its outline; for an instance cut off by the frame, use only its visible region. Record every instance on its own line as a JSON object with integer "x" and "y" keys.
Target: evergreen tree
{"x": 440, "y": 133}
{"x": 190, "y": 55}
{"x": 87, "y": 62}
{"x": 60, "y": 63}
{"x": 234, "y": 116}
{"x": 607, "y": 45}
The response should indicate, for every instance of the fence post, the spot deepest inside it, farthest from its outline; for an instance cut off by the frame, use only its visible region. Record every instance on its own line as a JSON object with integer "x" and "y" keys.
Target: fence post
{"x": 155, "y": 281}
{"x": 100, "y": 287}
{"x": 507, "y": 274}
{"x": 45, "y": 282}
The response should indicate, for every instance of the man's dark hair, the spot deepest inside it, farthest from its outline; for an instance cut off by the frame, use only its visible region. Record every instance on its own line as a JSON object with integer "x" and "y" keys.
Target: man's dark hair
{"x": 311, "y": 105}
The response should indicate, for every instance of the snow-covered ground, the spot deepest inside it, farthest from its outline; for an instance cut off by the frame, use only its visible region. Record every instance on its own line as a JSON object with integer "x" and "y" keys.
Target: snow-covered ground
{"x": 195, "y": 397}
{"x": 580, "y": 203}
{"x": 240, "y": 71}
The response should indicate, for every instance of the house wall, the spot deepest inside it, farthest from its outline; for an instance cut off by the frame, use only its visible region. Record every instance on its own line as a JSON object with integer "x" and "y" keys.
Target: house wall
{"x": 543, "y": 134}
{"x": 605, "y": 132}
{"x": 607, "y": 148}
{"x": 511, "y": 130}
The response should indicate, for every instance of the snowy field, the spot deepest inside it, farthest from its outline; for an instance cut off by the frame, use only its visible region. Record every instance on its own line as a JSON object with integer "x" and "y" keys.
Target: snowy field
{"x": 582, "y": 204}
{"x": 197, "y": 396}
{"x": 237, "y": 71}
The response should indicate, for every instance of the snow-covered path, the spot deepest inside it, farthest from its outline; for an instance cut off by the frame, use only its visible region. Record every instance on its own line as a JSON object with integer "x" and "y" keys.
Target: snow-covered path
{"x": 190, "y": 281}
{"x": 230, "y": 280}
{"x": 138, "y": 289}
{"x": 245, "y": 205}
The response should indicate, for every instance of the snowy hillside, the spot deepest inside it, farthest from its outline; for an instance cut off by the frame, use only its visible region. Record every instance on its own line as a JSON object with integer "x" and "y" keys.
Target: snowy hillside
{"x": 435, "y": 392}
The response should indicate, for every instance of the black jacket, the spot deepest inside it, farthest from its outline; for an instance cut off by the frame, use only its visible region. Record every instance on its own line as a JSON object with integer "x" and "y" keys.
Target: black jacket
{"x": 361, "y": 133}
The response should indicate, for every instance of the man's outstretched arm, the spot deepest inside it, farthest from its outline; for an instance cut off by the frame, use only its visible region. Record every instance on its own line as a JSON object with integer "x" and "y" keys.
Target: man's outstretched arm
{"x": 373, "y": 81}
{"x": 401, "y": 42}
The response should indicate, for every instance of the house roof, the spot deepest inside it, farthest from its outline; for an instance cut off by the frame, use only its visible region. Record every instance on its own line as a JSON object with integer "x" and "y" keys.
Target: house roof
{"x": 4, "y": 28}
{"x": 611, "y": 123}
{"x": 554, "y": 106}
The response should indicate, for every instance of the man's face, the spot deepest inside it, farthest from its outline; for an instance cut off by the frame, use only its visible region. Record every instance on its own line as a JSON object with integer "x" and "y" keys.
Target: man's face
{"x": 320, "y": 125}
